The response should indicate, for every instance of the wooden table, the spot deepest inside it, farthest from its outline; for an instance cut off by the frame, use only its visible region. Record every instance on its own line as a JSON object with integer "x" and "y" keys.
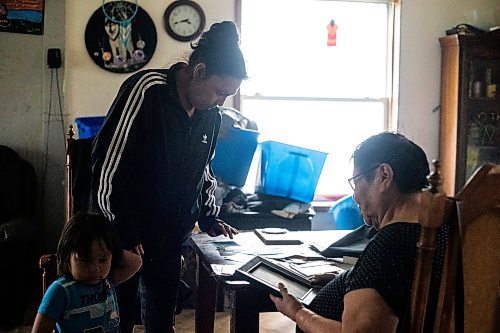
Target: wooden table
{"x": 256, "y": 220}
{"x": 245, "y": 300}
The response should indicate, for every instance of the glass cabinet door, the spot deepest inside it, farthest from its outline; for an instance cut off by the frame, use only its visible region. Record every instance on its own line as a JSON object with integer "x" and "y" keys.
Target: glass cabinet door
{"x": 483, "y": 113}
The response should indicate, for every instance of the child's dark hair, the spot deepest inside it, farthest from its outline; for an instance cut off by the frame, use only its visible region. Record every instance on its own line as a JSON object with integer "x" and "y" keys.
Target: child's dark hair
{"x": 219, "y": 49}
{"x": 78, "y": 234}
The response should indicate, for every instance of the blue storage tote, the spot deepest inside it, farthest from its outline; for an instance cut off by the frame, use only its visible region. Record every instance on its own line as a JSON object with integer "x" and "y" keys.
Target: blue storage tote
{"x": 289, "y": 171}
{"x": 88, "y": 126}
{"x": 233, "y": 155}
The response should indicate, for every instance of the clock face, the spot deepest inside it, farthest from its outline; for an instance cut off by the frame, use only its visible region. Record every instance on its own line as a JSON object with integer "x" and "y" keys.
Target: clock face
{"x": 184, "y": 20}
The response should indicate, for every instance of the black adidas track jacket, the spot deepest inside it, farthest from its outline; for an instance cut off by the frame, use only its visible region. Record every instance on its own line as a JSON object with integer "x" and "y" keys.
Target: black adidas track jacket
{"x": 151, "y": 172}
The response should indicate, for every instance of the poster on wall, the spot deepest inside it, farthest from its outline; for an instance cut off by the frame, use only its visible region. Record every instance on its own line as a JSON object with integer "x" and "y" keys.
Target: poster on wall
{"x": 120, "y": 36}
{"x": 25, "y": 17}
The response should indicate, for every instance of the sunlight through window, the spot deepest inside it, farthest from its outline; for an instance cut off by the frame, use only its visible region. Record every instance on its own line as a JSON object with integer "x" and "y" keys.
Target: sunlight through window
{"x": 307, "y": 92}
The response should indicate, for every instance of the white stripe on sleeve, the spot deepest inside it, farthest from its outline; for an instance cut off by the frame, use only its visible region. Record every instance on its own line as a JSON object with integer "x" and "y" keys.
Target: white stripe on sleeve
{"x": 119, "y": 139}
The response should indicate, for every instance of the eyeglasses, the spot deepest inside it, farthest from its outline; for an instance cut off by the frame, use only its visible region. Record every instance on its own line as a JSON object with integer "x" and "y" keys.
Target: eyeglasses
{"x": 352, "y": 180}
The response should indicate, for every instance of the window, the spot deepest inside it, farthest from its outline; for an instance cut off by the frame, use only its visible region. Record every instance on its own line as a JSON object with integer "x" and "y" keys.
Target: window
{"x": 304, "y": 92}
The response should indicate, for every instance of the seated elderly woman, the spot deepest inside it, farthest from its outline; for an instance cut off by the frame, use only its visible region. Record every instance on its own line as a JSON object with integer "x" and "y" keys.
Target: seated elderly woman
{"x": 374, "y": 296}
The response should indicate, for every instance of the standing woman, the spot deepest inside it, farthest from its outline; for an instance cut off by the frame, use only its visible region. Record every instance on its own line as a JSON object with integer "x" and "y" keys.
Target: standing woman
{"x": 152, "y": 171}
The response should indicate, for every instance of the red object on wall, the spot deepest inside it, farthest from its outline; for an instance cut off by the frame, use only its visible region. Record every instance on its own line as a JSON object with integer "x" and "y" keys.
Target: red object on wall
{"x": 332, "y": 33}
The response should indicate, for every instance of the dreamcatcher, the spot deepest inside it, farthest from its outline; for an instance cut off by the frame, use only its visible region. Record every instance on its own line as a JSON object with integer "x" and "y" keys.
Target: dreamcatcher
{"x": 119, "y": 16}
{"x": 119, "y": 27}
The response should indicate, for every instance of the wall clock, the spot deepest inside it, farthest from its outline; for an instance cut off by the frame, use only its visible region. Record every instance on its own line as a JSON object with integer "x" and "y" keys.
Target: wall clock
{"x": 184, "y": 20}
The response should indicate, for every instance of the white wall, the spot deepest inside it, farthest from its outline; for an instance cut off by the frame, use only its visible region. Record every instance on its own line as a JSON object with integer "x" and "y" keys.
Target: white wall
{"x": 422, "y": 23}
{"x": 25, "y": 93}
{"x": 89, "y": 90}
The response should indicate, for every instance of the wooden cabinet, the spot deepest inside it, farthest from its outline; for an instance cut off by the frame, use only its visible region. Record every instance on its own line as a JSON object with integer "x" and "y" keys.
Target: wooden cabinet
{"x": 470, "y": 106}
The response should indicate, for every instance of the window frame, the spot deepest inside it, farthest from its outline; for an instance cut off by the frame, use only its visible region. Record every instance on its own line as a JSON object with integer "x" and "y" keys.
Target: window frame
{"x": 390, "y": 102}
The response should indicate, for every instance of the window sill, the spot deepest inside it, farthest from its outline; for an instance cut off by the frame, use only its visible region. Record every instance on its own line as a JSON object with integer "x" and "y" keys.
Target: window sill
{"x": 322, "y": 203}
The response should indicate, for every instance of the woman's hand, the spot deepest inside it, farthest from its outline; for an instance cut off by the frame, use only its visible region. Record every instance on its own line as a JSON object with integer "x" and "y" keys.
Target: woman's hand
{"x": 222, "y": 228}
{"x": 323, "y": 279}
{"x": 287, "y": 304}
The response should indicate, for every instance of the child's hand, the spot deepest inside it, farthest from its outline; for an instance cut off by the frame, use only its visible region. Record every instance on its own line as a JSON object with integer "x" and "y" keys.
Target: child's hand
{"x": 138, "y": 250}
{"x": 43, "y": 324}
{"x": 129, "y": 264}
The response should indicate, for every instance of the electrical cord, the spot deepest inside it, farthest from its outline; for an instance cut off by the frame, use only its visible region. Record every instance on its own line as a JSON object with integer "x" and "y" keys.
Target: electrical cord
{"x": 60, "y": 108}
{"x": 47, "y": 133}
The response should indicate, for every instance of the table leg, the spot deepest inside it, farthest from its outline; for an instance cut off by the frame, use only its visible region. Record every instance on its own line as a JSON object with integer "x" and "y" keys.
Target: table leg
{"x": 244, "y": 311}
{"x": 205, "y": 299}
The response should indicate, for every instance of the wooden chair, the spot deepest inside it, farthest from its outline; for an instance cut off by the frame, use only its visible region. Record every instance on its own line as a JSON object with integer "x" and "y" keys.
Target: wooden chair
{"x": 77, "y": 188}
{"x": 437, "y": 208}
{"x": 479, "y": 221}
{"x": 469, "y": 294}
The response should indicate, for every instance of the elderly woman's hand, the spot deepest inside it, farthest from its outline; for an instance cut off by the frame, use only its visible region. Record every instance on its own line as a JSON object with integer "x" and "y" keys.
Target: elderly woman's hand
{"x": 287, "y": 304}
{"x": 323, "y": 279}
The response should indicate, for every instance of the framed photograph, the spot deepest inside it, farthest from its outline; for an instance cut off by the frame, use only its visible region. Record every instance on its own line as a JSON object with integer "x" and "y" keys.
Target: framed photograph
{"x": 267, "y": 274}
{"x": 25, "y": 17}
{"x": 277, "y": 236}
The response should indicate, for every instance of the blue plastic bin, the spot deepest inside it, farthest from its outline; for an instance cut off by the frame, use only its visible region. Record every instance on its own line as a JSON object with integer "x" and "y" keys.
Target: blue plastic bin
{"x": 289, "y": 171}
{"x": 88, "y": 126}
{"x": 233, "y": 155}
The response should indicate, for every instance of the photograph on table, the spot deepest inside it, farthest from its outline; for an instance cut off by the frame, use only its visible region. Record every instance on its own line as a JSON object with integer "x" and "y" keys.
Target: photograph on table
{"x": 267, "y": 275}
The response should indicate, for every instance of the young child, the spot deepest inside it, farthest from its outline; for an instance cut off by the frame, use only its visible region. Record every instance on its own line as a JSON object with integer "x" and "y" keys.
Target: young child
{"x": 90, "y": 261}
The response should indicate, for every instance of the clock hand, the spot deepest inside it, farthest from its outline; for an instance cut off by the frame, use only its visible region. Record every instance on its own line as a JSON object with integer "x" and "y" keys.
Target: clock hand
{"x": 183, "y": 21}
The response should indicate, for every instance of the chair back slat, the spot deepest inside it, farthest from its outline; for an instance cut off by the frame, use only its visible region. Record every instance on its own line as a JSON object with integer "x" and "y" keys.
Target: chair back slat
{"x": 69, "y": 172}
{"x": 77, "y": 192}
{"x": 432, "y": 214}
{"x": 444, "y": 316}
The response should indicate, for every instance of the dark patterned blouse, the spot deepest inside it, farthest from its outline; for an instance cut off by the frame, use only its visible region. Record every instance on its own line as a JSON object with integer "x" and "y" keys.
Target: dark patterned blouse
{"x": 387, "y": 265}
